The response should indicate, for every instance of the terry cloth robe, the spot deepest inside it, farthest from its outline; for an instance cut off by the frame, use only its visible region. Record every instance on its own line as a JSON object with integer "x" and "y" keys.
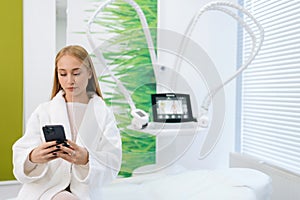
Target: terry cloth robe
{"x": 98, "y": 133}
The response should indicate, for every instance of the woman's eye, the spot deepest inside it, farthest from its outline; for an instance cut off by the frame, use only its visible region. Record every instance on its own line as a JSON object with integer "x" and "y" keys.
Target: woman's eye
{"x": 63, "y": 74}
{"x": 76, "y": 74}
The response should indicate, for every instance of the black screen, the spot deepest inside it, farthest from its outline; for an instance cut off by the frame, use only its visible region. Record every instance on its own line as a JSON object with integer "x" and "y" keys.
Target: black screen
{"x": 170, "y": 107}
{"x": 140, "y": 113}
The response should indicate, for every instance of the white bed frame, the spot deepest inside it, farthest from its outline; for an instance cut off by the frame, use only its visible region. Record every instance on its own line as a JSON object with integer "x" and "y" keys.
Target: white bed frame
{"x": 285, "y": 184}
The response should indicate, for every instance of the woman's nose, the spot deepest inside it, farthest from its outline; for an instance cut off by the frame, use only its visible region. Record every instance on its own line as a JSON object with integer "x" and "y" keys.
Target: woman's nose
{"x": 71, "y": 79}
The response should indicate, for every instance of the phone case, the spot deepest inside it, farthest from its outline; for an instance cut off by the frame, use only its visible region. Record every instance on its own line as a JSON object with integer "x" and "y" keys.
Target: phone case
{"x": 54, "y": 132}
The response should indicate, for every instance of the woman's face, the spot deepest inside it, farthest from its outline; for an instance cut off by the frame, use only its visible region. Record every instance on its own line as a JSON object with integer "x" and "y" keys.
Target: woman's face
{"x": 73, "y": 78}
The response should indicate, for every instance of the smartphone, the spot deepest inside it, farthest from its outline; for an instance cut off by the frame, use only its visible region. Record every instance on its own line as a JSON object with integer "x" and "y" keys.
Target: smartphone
{"x": 54, "y": 133}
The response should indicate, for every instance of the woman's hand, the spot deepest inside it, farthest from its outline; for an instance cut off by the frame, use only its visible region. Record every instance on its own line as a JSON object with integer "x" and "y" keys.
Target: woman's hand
{"x": 73, "y": 153}
{"x": 44, "y": 152}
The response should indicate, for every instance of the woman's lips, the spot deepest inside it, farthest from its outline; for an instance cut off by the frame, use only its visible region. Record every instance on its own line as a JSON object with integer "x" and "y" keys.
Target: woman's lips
{"x": 71, "y": 88}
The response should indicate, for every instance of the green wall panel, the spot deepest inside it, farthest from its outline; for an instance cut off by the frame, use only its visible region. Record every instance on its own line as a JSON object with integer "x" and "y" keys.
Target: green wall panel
{"x": 128, "y": 54}
{"x": 11, "y": 82}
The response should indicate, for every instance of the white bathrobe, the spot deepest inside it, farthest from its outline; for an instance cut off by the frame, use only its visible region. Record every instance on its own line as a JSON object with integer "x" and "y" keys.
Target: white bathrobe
{"x": 98, "y": 133}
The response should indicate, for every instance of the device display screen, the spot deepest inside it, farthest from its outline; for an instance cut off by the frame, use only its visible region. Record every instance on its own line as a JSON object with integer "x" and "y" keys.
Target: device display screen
{"x": 171, "y": 107}
{"x": 140, "y": 113}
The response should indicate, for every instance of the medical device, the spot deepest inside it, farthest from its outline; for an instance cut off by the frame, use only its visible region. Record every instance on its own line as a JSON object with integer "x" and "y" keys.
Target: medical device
{"x": 257, "y": 42}
{"x": 140, "y": 117}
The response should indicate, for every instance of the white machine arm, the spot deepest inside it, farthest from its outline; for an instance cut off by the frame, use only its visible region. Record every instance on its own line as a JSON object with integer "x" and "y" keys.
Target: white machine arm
{"x": 257, "y": 40}
{"x": 138, "y": 121}
{"x": 256, "y": 45}
{"x": 145, "y": 26}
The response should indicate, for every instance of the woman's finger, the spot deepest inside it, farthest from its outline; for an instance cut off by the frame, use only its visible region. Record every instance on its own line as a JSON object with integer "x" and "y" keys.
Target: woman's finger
{"x": 44, "y": 152}
{"x": 74, "y": 153}
{"x": 72, "y": 144}
{"x": 46, "y": 145}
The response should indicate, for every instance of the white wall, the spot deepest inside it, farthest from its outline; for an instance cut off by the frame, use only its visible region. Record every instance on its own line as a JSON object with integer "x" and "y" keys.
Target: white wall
{"x": 61, "y": 24}
{"x": 39, "y": 52}
{"x": 216, "y": 33}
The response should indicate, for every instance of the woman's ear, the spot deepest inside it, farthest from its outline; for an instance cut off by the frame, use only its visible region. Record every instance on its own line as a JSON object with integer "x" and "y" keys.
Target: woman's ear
{"x": 90, "y": 73}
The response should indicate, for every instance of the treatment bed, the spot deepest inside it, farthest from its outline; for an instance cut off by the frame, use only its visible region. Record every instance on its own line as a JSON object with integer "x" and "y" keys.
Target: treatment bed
{"x": 227, "y": 184}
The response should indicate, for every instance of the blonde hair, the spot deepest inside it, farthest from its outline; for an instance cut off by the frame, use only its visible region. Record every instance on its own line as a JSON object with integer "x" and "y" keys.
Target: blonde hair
{"x": 82, "y": 55}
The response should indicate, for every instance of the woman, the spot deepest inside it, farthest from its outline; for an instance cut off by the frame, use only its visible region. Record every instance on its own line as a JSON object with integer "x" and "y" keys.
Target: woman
{"x": 92, "y": 156}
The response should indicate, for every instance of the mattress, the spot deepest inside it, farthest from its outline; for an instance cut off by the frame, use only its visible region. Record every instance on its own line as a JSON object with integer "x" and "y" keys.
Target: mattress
{"x": 227, "y": 184}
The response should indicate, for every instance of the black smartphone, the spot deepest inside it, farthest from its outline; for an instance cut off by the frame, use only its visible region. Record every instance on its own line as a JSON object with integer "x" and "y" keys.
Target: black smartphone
{"x": 54, "y": 133}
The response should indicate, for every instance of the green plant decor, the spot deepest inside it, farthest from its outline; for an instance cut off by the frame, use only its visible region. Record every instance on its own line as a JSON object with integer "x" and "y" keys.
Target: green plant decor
{"x": 128, "y": 57}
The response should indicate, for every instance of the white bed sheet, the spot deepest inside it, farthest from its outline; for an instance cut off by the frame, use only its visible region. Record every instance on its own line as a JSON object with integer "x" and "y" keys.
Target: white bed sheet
{"x": 229, "y": 184}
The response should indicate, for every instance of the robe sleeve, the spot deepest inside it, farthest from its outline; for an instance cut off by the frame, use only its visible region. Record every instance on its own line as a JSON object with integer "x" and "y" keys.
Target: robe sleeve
{"x": 22, "y": 148}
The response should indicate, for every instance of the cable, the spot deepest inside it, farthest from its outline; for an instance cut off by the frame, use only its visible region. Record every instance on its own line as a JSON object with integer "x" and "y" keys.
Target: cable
{"x": 221, "y": 6}
{"x": 139, "y": 115}
{"x": 203, "y": 120}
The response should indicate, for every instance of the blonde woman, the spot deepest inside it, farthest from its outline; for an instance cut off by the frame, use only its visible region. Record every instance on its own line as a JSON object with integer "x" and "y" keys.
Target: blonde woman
{"x": 92, "y": 156}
